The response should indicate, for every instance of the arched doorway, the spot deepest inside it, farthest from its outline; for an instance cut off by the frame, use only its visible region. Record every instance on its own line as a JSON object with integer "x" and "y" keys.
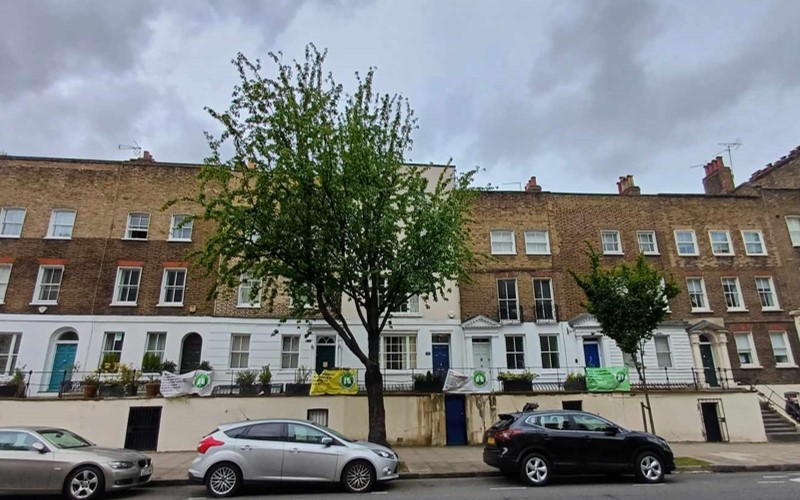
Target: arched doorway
{"x": 63, "y": 359}
{"x": 191, "y": 351}
{"x": 707, "y": 358}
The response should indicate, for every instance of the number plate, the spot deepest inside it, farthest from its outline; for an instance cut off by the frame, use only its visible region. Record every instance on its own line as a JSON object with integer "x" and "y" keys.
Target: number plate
{"x": 146, "y": 471}
{"x": 490, "y": 440}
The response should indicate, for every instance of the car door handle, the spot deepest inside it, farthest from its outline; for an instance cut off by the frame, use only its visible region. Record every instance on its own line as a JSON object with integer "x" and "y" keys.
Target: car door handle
{"x": 295, "y": 451}
{"x": 246, "y": 447}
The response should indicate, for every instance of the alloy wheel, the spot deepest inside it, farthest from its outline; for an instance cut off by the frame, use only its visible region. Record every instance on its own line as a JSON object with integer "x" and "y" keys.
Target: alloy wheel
{"x": 536, "y": 470}
{"x": 222, "y": 480}
{"x": 84, "y": 484}
{"x": 359, "y": 477}
{"x": 650, "y": 467}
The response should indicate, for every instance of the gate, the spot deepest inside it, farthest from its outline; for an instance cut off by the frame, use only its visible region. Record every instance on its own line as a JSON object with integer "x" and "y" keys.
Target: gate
{"x": 143, "y": 425}
{"x": 455, "y": 417}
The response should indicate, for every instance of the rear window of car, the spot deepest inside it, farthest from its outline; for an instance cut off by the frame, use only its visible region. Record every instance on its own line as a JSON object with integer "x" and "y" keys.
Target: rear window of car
{"x": 504, "y": 422}
{"x": 236, "y": 432}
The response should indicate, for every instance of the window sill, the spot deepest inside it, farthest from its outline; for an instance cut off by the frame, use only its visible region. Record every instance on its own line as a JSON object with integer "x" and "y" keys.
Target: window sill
{"x": 723, "y": 255}
{"x": 771, "y": 310}
{"x": 785, "y": 366}
{"x": 757, "y": 254}
{"x": 548, "y": 254}
{"x": 57, "y": 238}
{"x": 248, "y": 306}
{"x": 613, "y": 253}
{"x": 123, "y": 304}
{"x": 10, "y": 236}
{"x": 738, "y": 310}
{"x": 701, "y": 311}
{"x": 504, "y": 253}
{"x": 752, "y": 367}
{"x": 510, "y": 322}
{"x": 178, "y": 241}
{"x": 651, "y": 254}
{"x": 169, "y": 304}
{"x": 43, "y": 303}
{"x": 688, "y": 255}
{"x": 134, "y": 239}
{"x": 406, "y": 315}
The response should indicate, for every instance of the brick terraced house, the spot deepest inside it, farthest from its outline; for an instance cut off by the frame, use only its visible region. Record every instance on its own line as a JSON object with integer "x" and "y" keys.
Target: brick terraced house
{"x": 735, "y": 252}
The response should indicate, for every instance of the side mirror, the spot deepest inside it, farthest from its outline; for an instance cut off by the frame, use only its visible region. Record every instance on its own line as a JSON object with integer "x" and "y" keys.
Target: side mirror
{"x": 39, "y": 447}
{"x": 327, "y": 441}
{"x": 612, "y": 430}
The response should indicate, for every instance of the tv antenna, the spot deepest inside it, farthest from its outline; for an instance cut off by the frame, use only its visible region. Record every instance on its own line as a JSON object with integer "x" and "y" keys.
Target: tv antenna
{"x": 128, "y": 147}
{"x": 728, "y": 147}
{"x": 513, "y": 183}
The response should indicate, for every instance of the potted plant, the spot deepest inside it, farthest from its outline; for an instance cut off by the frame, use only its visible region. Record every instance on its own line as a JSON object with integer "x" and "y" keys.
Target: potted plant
{"x": 111, "y": 388}
{"x": 205, "y": 366}
{"x": 91, "y": 381}
{"x": 169, "y": 366}
{"x": 128, "y": 379}
{"x": 245, "y": 380}
{"x": 517, "y": 382}
{"x": 429, "y": 382}
{"x": 14, "y": 387}
{"x": 265, "y": 379}
{"x": 151, "y": 363}
{"x": 575, "y": 382}
{"x": 152, "y": 387}
{"x": 300, "y": 387}
{"x": 109, "y": 364}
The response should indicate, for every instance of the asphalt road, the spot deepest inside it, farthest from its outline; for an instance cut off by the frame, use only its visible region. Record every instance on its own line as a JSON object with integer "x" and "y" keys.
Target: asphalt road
{"x": 748, "y": 486}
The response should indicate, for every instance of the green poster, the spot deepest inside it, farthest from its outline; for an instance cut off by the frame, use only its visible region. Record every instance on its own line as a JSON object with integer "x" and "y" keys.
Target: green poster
{"x": 608, "y": 379}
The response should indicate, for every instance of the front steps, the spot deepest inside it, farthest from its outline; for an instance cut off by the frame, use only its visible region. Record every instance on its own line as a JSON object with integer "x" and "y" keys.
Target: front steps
{"x": 778, "y": 429}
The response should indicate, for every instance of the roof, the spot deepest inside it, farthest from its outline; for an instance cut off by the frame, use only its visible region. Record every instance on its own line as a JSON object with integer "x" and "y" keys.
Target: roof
{"x": 771, "y": 167}
{"x": 264, "y": 421}
{"x": 84, "y": 161}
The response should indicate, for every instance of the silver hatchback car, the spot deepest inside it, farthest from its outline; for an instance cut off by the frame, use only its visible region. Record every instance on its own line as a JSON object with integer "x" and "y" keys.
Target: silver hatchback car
{"x": 287, "y": 450}
{"x": 41, "y": 460}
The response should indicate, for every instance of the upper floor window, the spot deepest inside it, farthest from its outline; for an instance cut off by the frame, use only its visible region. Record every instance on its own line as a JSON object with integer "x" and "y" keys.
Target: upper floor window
{"x": 11, "y": 220}
{"x": 5, "y": 276}
{"x": 399, "y": 352}
{"x": 647, "y": 242}
{"x": 721, "y": 243}
{"x": 173, "y": 286}
{"x": 793, "y": 225}
{"x": 126, "y": 288}
{"x": 111, "y": 354}
{"x": 515, "y": 352}
{"x": 745, "y": 349}
{"x": 549, "y": 348}
{"x": 754, "y": 243}
{"x": 290, "y": 351}
{"x": 180, "y": 228}
{"x": 503, "y": 243}
{"x": 663, "y": 351}
{"x": 411, "y": 306}
{"x": 248, "y": 296}
{"x": 780, "y": 349}
{"x": 240, "y": 350}
{"x": 61, "y": 224}
{"x": 611, "y": 242}
{"x": 766, "y": 294}
{"x": 543, "y": 298}
{"x": 733, "y": 294}
{"x": 686, "y": 241}
{"x": 138, "y": 226}
{"x": 156, "y": 344}
{"x": 697, "y": 294}
{"x": 48, "y": 284}
{"x": 537, "y": 242}
{"x": 507, "y": 300}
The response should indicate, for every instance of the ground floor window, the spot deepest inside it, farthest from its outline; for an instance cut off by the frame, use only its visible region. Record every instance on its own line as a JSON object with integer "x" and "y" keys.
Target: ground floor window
{"x": 112, "y": 350}
{"x": 290, "y": 351}
{"x": 9, "y": 350}
{"x": 515, "y": 352}
{"x": 549, "y": 347}
{"x": 240, "y": 350}
{"x": 399, "y": 352}
{"x": 663, "y": 352}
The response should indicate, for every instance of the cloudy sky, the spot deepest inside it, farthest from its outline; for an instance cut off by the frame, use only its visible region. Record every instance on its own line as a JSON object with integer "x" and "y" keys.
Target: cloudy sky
{"x": 574, "y": 92}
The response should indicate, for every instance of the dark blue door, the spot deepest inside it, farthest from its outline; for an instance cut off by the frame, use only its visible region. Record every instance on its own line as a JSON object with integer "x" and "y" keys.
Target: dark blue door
{"x": 441, "y": 357}
{"x": 63, "y": 361}
{"x": 591, "y": 353}
{"x": 455, "y": 417}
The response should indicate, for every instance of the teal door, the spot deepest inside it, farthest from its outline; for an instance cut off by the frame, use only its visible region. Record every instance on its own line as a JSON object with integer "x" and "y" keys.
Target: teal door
{"x": 64, "y": 359}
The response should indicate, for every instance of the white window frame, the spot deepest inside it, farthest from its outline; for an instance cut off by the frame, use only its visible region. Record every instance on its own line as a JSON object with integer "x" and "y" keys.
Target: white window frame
{"x": 498, "y": 232}
{"x": 241, "y": 352}
{"x": 118, "y": 286}
{"x": 549, "y": 352}
{"x": 694, "y": 243}
{"x": 40, "y": 285}
{"x": 794, "y": 234}
{"x": 514, "y": 352}
{"x": 165, "y": 286}
{"x": 740, "y": 296}
{"x": 537, "y": 300}
{"x": 129, "y": 229}
{"x": 5, "y": 278}
{"x": 113, "y": 349}
{"x": 51, "y": 228}
{"x": 760, "y": 234}
{"x": 728, "y": 241}
{"x": 409, "y": 308}
{"x": 408, "y": 356}
{"x": 751, "y": 349}
{"x": 707, "y": 306}
{"x": 789, "y": 363}
{"x": 528, "y": 241}
{"x": 3, "y": 223}
{"x": 772, "y": 292}
{"x": 658, "y": 352}
{"x": 652, "y": 234}
{"x": 7, "y": 367}
{"x": 614, "y": 232}
{"x": 159, "y": 349}
{"x": 247, "y": 302}
{"x": 515, "y": 300}
{"x": 173, "y": 227}
{"x": 293, "y": 362}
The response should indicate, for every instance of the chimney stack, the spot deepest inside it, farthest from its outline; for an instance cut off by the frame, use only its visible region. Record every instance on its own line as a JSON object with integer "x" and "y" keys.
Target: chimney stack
{"x": 626, "y": 187}
{"x": 532, "y": 187}
{"x": 719, "y": 178}
{"x": 146, "y": 156}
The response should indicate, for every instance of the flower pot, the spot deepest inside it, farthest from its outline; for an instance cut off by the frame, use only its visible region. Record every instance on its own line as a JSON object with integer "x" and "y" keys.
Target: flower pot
{"x": 112, "y": 391}
{"x": 575, "y": 385}
{"x": 249, "y": 390}
{"x": 298, "y": 389}
{"x": 517, "y": 386}
{"x": 132, "y": 389}
{"x": 151, "y": 389}
{"x": 264, "y": 389}
{"x": 90, "y": 391}
{"x": 9, "y": 391}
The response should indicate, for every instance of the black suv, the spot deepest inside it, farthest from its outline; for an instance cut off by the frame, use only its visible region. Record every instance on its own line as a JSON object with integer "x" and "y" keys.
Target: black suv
{"x": 538, "y": 444}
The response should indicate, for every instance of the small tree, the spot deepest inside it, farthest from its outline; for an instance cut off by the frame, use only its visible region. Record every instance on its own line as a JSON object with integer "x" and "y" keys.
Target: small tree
{"x": 316, "y": 201}
{"x": 629, "y": 301}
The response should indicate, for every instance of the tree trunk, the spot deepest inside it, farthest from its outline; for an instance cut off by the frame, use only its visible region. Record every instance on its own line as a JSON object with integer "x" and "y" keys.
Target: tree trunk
{"x": 643, "y": 377}
{"x": 377, "y": 412}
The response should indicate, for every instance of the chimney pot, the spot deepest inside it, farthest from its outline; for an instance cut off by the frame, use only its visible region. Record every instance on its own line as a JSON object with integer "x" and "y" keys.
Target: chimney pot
{"x": 532, "y": 187}
{"x": 147, "y": 156}
{"x": 719, "y": 178}
{"x": 627, "y": 187}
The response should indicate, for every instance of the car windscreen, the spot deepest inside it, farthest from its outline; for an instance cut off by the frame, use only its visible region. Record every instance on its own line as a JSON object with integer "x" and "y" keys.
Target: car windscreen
{"x": 64, "y": 439}
{"x": 504, "y": 422}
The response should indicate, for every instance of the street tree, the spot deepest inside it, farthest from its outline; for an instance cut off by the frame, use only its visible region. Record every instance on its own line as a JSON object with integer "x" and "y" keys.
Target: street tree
{"x": 310, "y": 195}
{"x": 629, "y": 301}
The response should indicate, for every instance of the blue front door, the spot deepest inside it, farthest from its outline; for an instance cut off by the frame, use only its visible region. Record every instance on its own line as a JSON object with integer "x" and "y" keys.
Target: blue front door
{"x": 455, "y": 418}
{"x": 441, "y": 357}
{"x": 591, "y": 353}
{"x": 63, "y": 361}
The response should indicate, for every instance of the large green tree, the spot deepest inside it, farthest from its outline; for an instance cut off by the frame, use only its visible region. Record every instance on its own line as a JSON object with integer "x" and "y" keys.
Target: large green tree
{"x": 309, "y": 191}
{"x": 629, "y": 301}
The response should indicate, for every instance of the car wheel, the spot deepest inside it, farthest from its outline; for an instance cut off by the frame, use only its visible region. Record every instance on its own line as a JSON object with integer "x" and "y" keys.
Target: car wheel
{"x": 85, "y": 483}
{"x": 535, "y": 470}
{"x": 223, "y": 480}
{"x": 649, "y": 468}
{"x": 358, "y": 477}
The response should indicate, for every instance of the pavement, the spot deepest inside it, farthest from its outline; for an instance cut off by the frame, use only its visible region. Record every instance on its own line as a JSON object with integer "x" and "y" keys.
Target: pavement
{"x": 466, "y": 461}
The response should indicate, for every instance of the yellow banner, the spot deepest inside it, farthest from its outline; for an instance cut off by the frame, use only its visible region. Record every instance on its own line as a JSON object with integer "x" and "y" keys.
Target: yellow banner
{"x": 334, "y": 382}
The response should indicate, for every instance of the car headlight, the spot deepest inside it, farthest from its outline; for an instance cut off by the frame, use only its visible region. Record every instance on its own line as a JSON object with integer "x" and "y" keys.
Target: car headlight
{"x": 384, "y": 454}
{"x": 120, "y": 465}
